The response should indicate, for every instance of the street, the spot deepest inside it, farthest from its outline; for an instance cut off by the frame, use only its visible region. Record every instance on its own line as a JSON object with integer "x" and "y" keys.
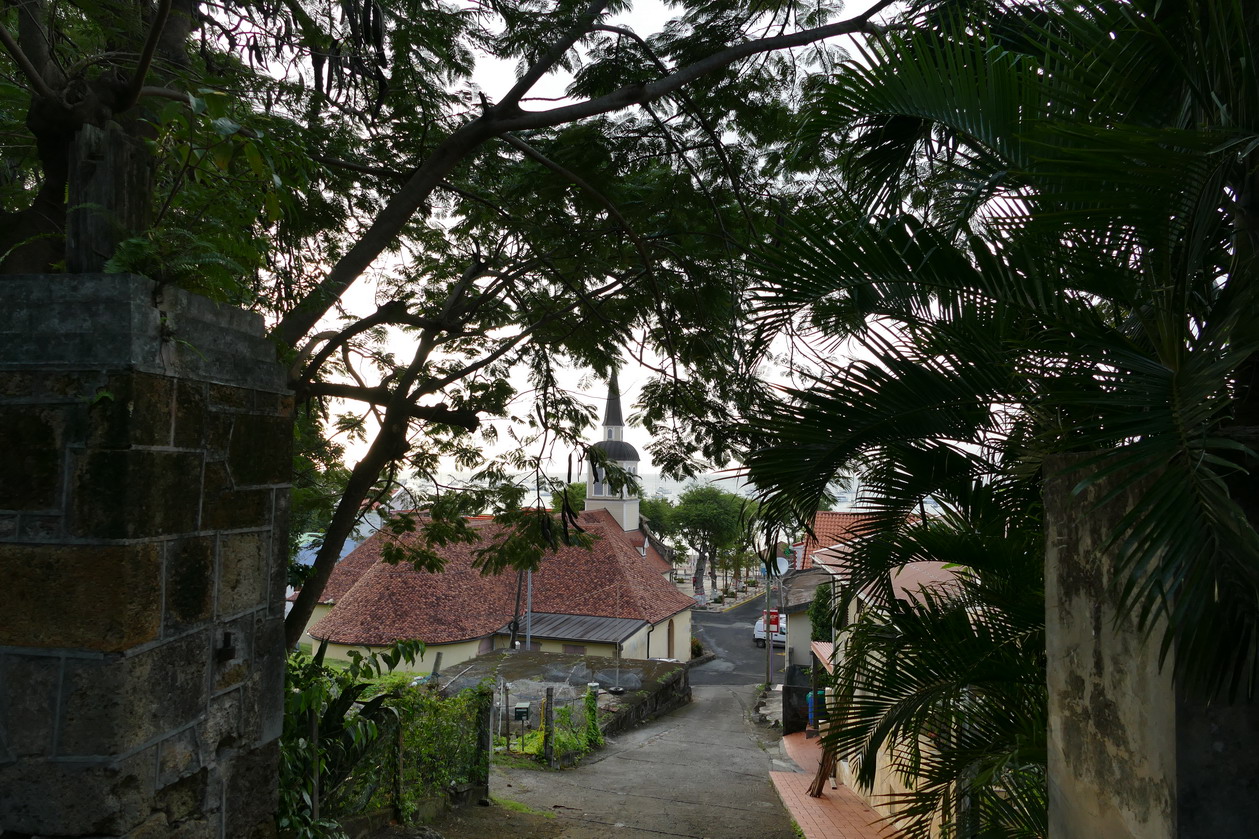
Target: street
{"x": 729, "y": 635}
{"x": 700, "y": 772}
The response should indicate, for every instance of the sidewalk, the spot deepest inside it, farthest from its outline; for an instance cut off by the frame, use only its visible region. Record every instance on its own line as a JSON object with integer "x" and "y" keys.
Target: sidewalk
{"x": 838, "y": 814}
{"x": 756, "y": 592}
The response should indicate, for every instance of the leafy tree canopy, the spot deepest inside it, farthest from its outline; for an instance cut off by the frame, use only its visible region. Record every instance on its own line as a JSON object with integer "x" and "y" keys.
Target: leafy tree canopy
{"x": 272, "y": 155}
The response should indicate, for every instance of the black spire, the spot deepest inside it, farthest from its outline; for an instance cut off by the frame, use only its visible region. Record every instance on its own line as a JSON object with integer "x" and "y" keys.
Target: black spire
{"x": 612, "y": 414}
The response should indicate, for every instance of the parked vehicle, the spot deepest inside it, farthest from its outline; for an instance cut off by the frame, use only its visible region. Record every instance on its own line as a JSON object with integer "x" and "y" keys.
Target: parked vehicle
{"x": 758, "y": 634}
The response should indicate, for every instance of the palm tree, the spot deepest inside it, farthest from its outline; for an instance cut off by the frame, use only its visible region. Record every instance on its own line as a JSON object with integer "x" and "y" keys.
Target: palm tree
{"x": 1045, "y": 244}
{"x": 1061, "y": 246}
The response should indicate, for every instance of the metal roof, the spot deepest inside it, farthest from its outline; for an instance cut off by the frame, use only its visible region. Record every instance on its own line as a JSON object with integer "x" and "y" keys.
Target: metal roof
{"x": 577, "y": 628}
{"x": 612, "y": 413}
{"x": 618, "y": 450}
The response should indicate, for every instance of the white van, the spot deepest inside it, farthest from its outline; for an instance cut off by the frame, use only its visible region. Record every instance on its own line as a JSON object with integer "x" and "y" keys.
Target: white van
{"x": 758, "y": 634}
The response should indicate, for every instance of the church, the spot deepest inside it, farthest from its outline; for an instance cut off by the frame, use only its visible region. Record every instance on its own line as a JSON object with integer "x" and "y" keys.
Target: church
{"x": 613, "y": 598}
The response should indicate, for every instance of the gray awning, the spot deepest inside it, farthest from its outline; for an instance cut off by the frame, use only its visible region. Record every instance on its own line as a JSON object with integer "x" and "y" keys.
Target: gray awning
{"x": 578, "y": 628}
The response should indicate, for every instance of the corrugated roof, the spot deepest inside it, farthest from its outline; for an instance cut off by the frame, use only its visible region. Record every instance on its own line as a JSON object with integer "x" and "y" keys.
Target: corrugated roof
{"x": 577, "y": 628}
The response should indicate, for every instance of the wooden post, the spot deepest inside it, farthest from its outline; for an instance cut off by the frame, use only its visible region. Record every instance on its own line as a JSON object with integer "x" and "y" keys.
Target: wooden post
{"x": 314, "y": 766}
{"x": 548, "y": 730}
{"x": 397, "y": 775}
{"x": 485, "y": 736}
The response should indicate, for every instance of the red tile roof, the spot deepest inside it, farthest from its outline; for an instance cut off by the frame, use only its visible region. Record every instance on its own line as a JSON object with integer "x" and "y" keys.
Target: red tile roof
{"x": 387, "y": 603}
{"x": 829, "y": 530}
{"x": 829, "y": 544}
{"x": 635, "y": 539}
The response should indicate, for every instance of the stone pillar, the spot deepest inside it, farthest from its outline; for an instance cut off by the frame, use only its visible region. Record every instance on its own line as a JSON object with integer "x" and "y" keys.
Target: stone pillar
{"x": 1131, "y": 754}
{"x": 146, "y": 437}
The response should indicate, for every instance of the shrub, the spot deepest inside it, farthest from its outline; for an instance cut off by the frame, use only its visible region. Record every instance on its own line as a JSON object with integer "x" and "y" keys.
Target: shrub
{"x": 697, "y": 649}
{"x": 594, "y": 737}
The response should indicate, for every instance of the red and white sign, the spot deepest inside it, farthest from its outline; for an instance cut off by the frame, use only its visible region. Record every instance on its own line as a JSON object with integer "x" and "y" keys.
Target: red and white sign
{"x": 772, "y": 622}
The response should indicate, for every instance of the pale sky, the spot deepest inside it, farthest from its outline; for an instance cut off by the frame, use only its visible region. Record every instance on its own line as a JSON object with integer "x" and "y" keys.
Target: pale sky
{"x": 495, "y": 77}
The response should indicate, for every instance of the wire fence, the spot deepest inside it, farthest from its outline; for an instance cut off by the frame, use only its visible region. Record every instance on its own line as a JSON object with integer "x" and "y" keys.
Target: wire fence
{"x": 555, "y": 728}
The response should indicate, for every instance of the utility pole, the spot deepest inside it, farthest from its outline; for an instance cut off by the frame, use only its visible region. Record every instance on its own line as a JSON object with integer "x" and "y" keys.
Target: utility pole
{"x": 769, "y": 640}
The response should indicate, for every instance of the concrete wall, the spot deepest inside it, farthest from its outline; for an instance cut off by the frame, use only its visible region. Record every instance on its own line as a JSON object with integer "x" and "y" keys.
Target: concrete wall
{"x": 316, "y": 615}
{"x": 452, "y": 654}
{"x": 143, "y": 516}
{"x": 1130, "y": 753}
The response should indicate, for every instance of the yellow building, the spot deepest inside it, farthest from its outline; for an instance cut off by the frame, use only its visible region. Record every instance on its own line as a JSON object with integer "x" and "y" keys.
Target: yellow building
{"x": 594, "y": 601}
{"x": 614, "y": 598}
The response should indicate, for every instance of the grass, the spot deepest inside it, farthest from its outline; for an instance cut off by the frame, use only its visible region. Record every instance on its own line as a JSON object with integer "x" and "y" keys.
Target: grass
{"x": 799, "y": 831}
{"x": 508, "y": 804}
{"x": 516, "y": 760}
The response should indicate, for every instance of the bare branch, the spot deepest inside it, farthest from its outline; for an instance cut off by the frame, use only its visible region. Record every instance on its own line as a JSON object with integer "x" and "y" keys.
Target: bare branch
{"x": 361, "y": 168}
{"x": 146, "y": 56}
{"x": 24, "y": 64}
{"x": 381, "y": 396}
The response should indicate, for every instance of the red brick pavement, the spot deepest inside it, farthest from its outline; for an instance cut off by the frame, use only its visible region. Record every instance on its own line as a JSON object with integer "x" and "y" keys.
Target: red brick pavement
{"x": 838, "y": 814}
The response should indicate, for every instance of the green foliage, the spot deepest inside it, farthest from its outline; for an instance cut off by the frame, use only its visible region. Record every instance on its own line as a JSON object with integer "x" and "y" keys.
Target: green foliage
{"x": 822, "y": 617}
{"x": 593, "y": 734}
{"x": 572, "y": 497}
{"x": 440, "y": 747}
{"x": 697, "y": 648}
{"x": 1050, "y": 301}
{"x": 659, "y": 513}
{"x": 709, "y": 518}
{"x": 1017, "y": 295}
{"x": 363, "y": 717}
{"x": 330, "y": 730}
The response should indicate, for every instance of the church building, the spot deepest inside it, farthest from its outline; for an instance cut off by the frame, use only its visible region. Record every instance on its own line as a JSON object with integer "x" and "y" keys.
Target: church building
{"x": 614, "y": 598}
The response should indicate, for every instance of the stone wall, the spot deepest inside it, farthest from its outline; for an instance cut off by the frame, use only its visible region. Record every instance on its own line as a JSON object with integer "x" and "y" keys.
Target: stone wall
{"x": 1131, "y": 754}
{"x": 143, "y": 522}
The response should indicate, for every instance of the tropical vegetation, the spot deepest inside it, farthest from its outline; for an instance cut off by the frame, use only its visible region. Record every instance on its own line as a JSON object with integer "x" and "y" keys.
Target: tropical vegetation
{"x": 1038, "y": 249}
{"x": 359, "y": 740}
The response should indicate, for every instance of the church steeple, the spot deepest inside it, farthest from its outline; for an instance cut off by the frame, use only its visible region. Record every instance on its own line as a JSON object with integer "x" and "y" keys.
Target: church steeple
{"x": 612, "y": 413}
{"x": 599, "y": 495}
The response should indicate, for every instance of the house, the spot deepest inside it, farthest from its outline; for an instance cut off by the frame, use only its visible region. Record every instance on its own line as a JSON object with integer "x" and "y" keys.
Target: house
{"x": 827, "y": 549}
{"x": 613, "y": 598}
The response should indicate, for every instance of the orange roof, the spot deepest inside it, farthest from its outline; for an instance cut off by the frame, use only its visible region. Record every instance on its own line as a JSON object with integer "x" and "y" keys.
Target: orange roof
{"x": 830, "y": 530}
{"x": 635, "y": 539}
{"x": 831, "y": 541}
{"x": 387, "y": 603}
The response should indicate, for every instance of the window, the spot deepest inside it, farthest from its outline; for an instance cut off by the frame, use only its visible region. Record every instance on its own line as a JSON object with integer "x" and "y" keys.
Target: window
{"x": 575, "y": 649}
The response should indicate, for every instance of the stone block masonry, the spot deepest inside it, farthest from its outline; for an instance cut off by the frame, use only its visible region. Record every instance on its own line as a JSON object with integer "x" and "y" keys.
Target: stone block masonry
{"x": 145, "y": 451}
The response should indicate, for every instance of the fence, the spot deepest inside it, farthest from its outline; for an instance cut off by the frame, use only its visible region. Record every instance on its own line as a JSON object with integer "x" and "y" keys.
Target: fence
{"x": 554, "y": 729}
{"x": 430, "y": 750}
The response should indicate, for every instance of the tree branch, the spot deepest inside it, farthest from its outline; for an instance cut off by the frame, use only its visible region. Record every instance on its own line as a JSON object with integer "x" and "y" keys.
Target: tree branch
{"x": 146, "y": 56}
{"x": 508, "y": 117}
{"x": 553, "y": 54}
{"x": 24, "y": 64}
{"x": 463, "y": 418}
{"x": 642, "y": 93}
{"x": 394, "y": 312}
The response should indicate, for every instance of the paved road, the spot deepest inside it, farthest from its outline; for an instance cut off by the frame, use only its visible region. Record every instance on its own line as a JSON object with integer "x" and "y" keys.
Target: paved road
{"x": 701, "y": 772}
{"x": 729, "y": 634}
